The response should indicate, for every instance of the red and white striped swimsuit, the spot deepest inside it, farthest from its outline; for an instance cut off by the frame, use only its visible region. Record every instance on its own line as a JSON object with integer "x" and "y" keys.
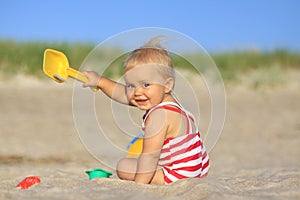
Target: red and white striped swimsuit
{"x": 184, "y": 156}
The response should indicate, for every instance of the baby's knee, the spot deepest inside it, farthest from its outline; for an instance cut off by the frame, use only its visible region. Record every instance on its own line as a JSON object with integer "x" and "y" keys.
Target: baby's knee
{"x": 121, "y": 165}
{"x": 126, "y": 169}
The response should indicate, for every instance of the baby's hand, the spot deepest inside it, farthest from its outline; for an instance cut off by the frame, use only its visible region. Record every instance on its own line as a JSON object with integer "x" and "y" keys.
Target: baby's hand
{"x": 93, "y": 79}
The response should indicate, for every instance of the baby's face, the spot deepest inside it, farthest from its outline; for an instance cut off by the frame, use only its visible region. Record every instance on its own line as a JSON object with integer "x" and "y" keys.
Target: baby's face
{"x": 145, "y": 86}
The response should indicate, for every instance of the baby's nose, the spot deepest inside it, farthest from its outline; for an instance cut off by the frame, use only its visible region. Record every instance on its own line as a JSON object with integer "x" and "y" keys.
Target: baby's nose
{"x": 138, "y": 91}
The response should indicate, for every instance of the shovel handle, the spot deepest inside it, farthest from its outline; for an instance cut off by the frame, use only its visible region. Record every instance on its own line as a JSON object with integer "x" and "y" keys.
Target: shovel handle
{"x": 80, "y": 77}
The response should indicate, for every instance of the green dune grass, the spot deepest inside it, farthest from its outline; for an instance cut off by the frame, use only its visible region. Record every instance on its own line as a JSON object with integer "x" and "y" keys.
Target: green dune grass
{"x": 27, "y": 58}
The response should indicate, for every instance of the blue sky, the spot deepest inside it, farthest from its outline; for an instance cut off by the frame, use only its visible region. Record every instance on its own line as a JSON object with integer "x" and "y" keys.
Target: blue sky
{"x": 217, "y": 25}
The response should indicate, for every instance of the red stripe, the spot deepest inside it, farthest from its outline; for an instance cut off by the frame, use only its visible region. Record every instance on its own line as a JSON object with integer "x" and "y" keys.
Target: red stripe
{"x": 206, "y": 164}
{"x": 182, "y": 151}
{"x": 167, "y": 108}
{"x": 186, "y": 139}
{"x": 164, "y": 150}
{"x": 167, "y": 140}
{"x": 178, "y": 176}
{"x": 191, "y": 168}
{"x": 201, "y": 165}
{"x": 175, "y": 109}
{"x": 167, "y": 180}
{"x": 165, "y": 158}
{"x": 202, "y": 176}
{"x": 186, "y": 159}
{"x": 189, "y": 148}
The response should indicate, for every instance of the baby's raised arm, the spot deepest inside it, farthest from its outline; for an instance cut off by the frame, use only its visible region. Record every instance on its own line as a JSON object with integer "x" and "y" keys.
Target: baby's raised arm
{"x": 112, "y": 89}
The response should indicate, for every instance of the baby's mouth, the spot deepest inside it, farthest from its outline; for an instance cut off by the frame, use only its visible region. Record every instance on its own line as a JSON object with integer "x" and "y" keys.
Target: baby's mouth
{"x": 141, "y": 101}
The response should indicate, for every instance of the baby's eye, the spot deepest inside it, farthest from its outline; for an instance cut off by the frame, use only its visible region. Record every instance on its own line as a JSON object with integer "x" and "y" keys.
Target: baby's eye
{"x": 130, "y": 86}
{"x": 146, "y": 85}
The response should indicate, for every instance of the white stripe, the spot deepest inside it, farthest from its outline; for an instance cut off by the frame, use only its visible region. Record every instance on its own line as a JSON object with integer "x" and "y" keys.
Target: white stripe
{"x": 170, "y": 103}
{"x": 184, "y": 145}
{"x": 190, "y": 174}
{"x": 205, "y": 159}
{"x": 180, "y": 138}
{"x": 205, "y": 170}
{"x": 175, "y": 149}
{"x": 164, "y": 155}
{"x": 190, "y": 163}
{"x": 177, "y": 139}
{"x": 163, "y": 162}
{"x": 186, "y": 154}
{"x": 167, "y": 153}
{"x": 170, "y": 176}
{"x": 203, "y": 147}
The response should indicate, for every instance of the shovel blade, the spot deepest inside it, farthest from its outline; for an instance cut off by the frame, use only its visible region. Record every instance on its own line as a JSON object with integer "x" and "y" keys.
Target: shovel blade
{"x": 55, "y": 65}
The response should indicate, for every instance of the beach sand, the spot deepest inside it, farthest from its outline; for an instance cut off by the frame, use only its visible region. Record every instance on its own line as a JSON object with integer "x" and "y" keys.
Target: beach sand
{"x": 256, "y": 157}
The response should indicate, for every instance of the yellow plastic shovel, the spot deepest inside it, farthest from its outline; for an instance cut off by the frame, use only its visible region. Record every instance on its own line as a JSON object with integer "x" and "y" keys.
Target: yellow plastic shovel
{"x": 56, "y": 66}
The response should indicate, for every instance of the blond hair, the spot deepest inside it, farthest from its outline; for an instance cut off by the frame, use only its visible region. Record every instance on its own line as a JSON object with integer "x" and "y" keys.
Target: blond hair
{"x": 151, "y": 53}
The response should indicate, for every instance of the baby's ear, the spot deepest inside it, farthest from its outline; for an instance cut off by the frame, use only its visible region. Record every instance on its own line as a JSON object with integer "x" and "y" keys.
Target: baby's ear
{"x": 169, "y": 85}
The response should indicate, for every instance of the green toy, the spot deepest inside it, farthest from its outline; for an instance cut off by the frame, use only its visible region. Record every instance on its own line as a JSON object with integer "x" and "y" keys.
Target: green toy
{"x": 98, "y": 173}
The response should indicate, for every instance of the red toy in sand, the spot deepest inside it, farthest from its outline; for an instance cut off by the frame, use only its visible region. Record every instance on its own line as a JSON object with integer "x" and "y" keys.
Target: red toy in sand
{"x": 28, "y": 182}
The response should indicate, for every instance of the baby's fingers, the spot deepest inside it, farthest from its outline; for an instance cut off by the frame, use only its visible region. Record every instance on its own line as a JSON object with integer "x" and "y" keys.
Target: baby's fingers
{"x": 86, "y": 74}
{"x": 86, "y": 84}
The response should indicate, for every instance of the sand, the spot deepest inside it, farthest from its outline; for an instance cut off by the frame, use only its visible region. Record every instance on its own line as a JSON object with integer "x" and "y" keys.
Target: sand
{"x": 256, "y": 157}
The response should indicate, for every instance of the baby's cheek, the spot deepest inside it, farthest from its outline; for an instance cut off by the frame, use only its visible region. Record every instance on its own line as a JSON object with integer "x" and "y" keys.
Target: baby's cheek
{"x": 131, "y": 98}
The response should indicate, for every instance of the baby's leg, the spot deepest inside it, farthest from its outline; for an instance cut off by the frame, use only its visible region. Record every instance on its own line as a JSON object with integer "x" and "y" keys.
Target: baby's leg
{"x": 126, "y": 168}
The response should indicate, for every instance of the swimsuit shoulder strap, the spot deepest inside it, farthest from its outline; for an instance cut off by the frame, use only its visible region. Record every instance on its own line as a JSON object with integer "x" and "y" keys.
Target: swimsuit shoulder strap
{"x": 178, "y": 108}
{"x": 161, "y": 105}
